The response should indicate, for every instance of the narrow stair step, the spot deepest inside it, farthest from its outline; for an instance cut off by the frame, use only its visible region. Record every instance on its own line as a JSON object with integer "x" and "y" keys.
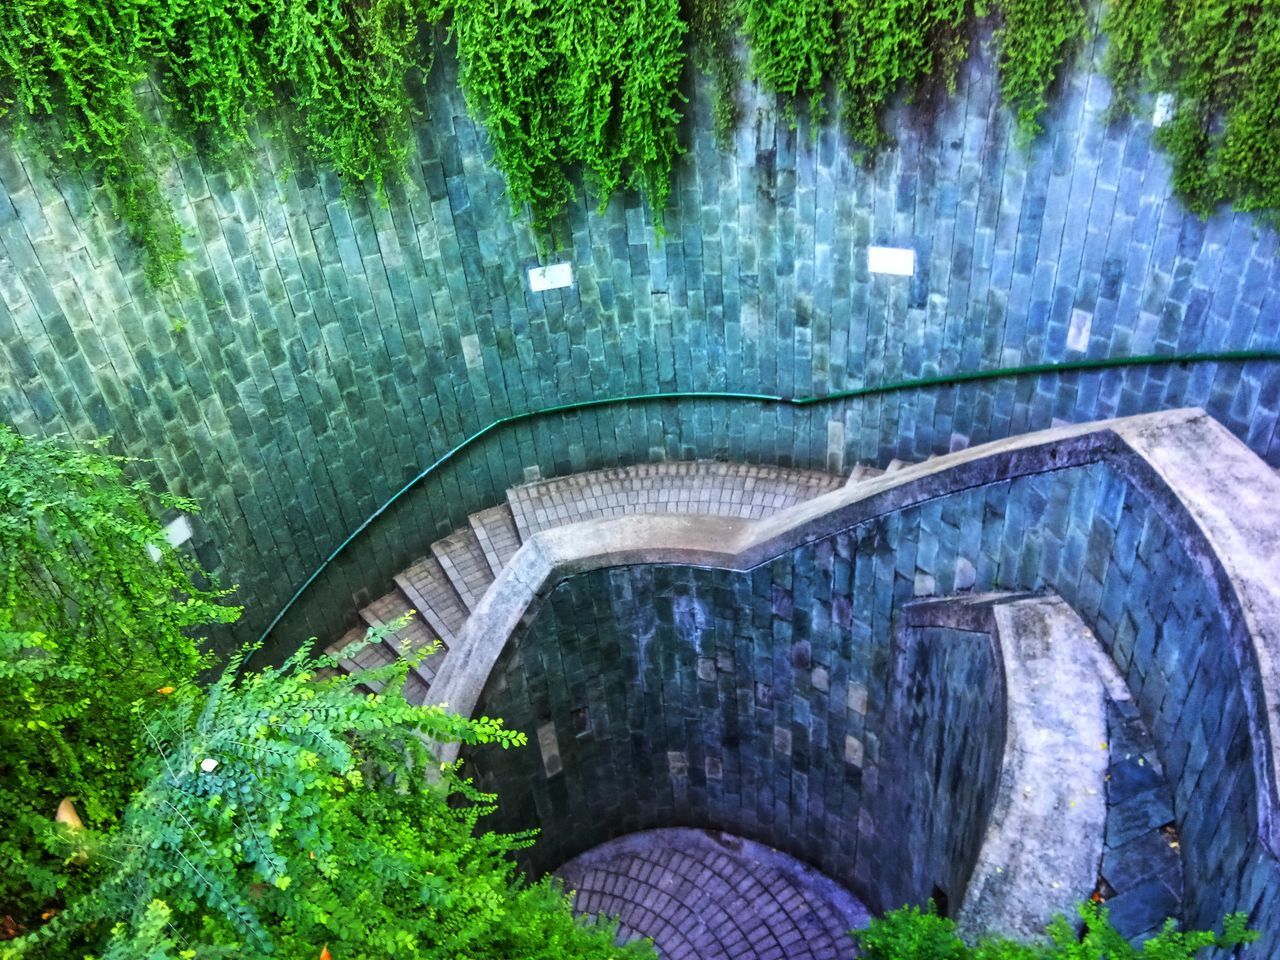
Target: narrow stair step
{"x": 862, "y": 472}
{"x": 369, "y": 657}
{"x": 691, "y": 486}
{"x": 495, "y": 529}
{"x": 413, "y": 637}
{"x": 429, "y": 591}
{"x": 464, "y": 562}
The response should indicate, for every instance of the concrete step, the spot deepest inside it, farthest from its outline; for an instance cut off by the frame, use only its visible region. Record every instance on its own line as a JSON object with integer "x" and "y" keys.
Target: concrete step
{"x": 431, "y": 593}
{"x": 495, "y": 529}
{"x": 862, "y": 472}
{"x": 696, "y": 486}
{"x": 370, "y": 657}
{"x": 464, "y": 562}
{"x": 413, "y": 637}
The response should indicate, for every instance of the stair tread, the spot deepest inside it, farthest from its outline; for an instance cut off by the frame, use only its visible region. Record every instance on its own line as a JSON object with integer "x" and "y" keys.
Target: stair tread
{"x": 750, "y": 491}
{"x": 495, "y": 530}
{"x": 412, "y": 638}
{"x": 430, "y": 592}
{"x": 463, "y": 561}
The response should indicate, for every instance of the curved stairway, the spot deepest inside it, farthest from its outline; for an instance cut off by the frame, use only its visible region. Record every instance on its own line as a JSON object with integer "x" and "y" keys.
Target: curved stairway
{"x": 444, "y": 586}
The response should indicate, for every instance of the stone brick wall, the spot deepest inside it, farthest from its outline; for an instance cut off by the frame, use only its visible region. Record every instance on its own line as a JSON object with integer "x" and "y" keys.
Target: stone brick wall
{"x": 943, "y": 742}
{"x": 322, "y": 348}
{"x": 659, "y": 695}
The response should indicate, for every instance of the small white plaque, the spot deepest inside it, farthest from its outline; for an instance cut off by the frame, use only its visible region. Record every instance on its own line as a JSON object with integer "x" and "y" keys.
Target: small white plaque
{"x": 1163, "y": 112}
{"x": 177, "y": 532}
{"x": 551, "y": 278}
{"x": 896, "y": 261}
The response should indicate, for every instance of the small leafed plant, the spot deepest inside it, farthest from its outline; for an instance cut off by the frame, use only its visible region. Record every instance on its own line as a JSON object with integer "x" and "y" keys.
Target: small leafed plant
{"x": 93, "y": 631}
{"x": 286, "y": 811}
{"x": 910, "y": 933}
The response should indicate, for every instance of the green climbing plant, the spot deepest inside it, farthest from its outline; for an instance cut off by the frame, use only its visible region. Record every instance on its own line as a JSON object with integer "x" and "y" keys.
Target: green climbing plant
{"x": 94, "y": 627}
{"x": 713, "y": 28}
{"x": 285, "y": 811}
{"x": 1035, "y": 39}
{"x": 1221, "y": 61}
{"x": 910, "y": 933}
{"x": 562, "y": 83}
{"x": 794, "y": 47}
{"x": 888, "y": 47}
{"x": 113, "y": 87}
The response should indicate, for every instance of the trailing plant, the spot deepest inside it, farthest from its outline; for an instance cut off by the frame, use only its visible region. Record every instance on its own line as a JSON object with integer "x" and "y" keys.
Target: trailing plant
{"x": 712, "y": 28}
{"x": 1221, "y": 60}
{"x": 1035, "y": 38}
{"x": 910, "y": 933}
{"x": 92, "y": 629}
{"x": 71, "y": 72}
{"x": 563, "y": 82}
{"x": 287, "y": 811}
{"x": 888, "y": 46}
{"x": 794, "y": 46}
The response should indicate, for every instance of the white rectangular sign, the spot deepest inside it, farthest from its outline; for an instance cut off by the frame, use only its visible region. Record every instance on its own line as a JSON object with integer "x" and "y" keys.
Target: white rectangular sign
{"x": 898, "y": 261}
{"x": 551, "y": 278}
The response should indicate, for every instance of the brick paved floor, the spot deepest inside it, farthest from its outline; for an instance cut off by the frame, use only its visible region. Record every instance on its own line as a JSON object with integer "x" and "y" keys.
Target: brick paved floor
{"x": 701, "y": 894}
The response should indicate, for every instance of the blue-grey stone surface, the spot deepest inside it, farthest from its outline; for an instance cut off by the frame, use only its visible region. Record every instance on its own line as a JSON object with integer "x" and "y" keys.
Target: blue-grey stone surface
{"x": 322, "y": 348}
{"x": 660, "y": 696}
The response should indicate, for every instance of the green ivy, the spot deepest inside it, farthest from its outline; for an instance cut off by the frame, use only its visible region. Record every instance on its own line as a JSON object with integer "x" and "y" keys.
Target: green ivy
{"x": 888, "y": 46}
{"x": 1221, "y": 60}
{"x": 712, "y": 29}
{"x": 567, "y": 82}
{"x": 91, "y": 627}
{"x": 1035, "y": 38}
{"x": 286, "y": 810}
{"x": 794, "y": 47}
{"x": 910, "y": 933}
{"x": 590, "y": 84}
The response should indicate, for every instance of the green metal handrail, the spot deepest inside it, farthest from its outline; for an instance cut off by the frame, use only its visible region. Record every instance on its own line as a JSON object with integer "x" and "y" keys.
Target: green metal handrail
{"x": 942, "y": 380}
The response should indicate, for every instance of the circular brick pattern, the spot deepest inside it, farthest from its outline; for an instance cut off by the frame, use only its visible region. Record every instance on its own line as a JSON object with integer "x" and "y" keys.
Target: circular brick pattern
{"x": 702, "y": 894}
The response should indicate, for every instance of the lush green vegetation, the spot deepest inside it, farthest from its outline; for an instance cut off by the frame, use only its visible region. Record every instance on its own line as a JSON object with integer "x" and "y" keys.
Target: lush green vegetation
{"x": 1222, "y": 61}
{"x": 565, "y": 85}
{"x": 914, "y": 934}
{"x": 91, "y": 627}
{"x": 267, "y": 814}
{"x": 285, "y": 810}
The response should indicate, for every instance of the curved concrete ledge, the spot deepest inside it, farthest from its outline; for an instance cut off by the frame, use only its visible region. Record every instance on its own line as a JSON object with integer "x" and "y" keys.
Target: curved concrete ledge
{"x": 1225, "y": 517}
{"x": 1043, "y": 840}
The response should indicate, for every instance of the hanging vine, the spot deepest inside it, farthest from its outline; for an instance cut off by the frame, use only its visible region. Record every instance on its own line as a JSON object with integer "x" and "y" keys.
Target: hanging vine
{"x": 592, "y": 84}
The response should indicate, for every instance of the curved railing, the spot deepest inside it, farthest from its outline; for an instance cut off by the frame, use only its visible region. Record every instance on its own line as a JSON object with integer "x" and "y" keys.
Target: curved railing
{"x": 943, "y": 380}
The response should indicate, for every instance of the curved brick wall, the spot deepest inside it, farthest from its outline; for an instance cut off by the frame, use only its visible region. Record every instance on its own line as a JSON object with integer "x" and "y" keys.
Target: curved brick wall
{"x": 756, "y": 701}
{"x": 324, "y": 349}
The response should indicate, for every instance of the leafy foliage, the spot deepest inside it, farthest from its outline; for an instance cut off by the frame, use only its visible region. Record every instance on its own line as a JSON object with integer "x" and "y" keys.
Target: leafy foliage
{"x": 591, "y": 82}
{"x": 71, "y": 71}
{"x": 1035, "y": 39}
{"x": 89, "y": 626}
{"x": 1222, "y": 61}
{"x": 562, "y": 82}
{"x": 879, "y": 49}
{"x": 910, "y": 933}
{"x": 287, "y": 810}
{"x": 77, "y": 66}
{"x": 794, "y": 46}
{"x": 712, "y": 28}
{"x": 891, "y": 45}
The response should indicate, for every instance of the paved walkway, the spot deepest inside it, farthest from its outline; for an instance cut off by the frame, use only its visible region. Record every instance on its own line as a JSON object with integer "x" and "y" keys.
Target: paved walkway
{"x": 701, "y": 894}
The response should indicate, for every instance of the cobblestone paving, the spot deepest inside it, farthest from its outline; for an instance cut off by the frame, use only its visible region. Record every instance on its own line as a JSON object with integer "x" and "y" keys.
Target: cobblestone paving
{"x": 702, "y": 894}
{"x": 721, "y": 489}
